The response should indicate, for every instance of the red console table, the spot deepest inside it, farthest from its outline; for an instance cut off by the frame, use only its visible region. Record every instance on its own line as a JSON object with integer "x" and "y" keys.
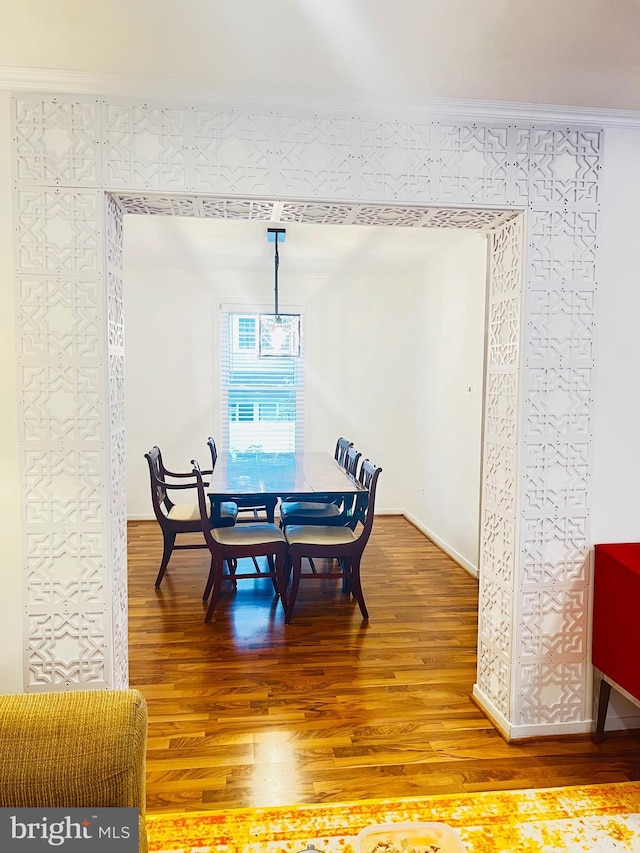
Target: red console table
{"x": 616, "y": 623}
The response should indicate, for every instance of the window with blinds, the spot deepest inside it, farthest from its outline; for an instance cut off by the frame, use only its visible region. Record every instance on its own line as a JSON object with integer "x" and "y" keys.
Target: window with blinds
{"x": 262, "y": 398}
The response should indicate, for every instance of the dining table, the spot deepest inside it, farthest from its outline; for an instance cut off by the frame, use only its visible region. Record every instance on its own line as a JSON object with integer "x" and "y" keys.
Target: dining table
{"x": 296, "y": 476}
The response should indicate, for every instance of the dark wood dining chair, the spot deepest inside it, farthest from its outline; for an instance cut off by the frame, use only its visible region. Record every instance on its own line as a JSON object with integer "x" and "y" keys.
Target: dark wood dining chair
{"x": 253, "y": 504}
{"x": 344, "y": 544}
{"x": 342, "y": 445}
{"x": 230, "y": 544}
{"x": 176, "y": 518}
{"x": 336, "y": 511}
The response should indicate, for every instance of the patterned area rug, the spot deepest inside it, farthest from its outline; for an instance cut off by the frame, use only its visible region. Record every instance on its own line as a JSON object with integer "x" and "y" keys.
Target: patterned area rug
{"x": 602, "y": 818}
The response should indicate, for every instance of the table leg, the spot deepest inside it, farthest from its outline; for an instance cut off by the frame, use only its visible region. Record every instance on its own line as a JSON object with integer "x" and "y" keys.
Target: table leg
{"x": 603, "y": 704}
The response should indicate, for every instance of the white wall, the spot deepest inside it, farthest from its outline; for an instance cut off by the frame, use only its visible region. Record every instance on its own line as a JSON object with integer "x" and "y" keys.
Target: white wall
{"x": 615, "y": 513}
{"x": 443, "y": 487}
{"x": 616, "y": 425}
{"x": 389, "y": 361}
{"x": 11, "y": 643}
{"x": 356, "y": 367}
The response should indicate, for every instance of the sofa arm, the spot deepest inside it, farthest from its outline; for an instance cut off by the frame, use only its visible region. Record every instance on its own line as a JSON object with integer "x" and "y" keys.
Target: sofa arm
{"x": 83, "y": 748}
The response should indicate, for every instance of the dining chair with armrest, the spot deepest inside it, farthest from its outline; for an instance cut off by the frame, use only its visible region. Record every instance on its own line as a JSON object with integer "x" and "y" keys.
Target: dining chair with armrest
{"x": 175, "y": 518}
{"x": 345, "y": 544}
{"x": 229, "y": 544}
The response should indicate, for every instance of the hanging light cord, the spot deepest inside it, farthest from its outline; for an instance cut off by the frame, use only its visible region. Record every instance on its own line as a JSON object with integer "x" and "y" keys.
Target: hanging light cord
{"x": 277, "y": 264}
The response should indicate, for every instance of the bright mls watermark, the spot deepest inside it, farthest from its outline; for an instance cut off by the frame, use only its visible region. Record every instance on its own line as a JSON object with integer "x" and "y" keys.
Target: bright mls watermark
{"x": 70, "y": 830}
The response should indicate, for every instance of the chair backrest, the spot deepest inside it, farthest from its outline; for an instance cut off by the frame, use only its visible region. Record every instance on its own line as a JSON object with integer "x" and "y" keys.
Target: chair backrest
{"x": 214, "y": 451}
{"x": 342, "y": 445}
{"x": 159, "y": 497}
{"x": 365, "y": 503}
{"x": 351, "y": 459}
{"x": 203, "y": 505}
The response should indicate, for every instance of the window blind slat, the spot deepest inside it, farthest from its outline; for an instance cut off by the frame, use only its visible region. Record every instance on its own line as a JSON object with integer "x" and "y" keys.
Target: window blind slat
{"x": 262, "y": 398}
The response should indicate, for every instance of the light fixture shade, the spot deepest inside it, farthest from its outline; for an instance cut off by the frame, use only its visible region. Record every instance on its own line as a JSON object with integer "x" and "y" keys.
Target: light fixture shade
{"x": 279, "y": 335}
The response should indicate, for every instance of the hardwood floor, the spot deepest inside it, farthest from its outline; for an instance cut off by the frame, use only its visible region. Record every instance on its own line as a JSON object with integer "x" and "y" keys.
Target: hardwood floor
{"x": 248, "y": 711}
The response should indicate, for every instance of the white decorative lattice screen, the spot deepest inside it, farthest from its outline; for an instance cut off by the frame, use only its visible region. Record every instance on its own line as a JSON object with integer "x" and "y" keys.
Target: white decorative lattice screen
{"x": 81, "y": 163}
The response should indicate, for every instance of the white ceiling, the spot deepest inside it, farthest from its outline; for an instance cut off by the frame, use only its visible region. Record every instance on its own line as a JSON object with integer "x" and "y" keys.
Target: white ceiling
{"x": 208, "y": 245}
{"x": 582, "y": 53}
{"x": 564, "y": 52}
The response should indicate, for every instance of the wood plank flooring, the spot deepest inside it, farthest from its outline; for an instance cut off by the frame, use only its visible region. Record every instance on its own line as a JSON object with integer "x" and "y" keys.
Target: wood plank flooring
{"x": 248, "y": 711}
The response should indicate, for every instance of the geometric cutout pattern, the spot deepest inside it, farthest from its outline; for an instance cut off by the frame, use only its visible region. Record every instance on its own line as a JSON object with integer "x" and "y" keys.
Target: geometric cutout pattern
{"x": 556, "y": 477}
{"x": 64, "y": 487}
{"x": 504, "y": 332}
{"x": 506, "y": 260}
{"x": 473, "y": 163}
{"x": 555, "y": 550}
{"x": 145, "y": 147}
{"x": 501, "y": 407}
{"x": 494, "y": 614}
{"x": 563, "y": 245}
{"x": 314, "y": 157}
{"x": 394, "y": 165}
{"x": 494, "y": 676}
{"x": 65, "y": 570}
{"x": 114, "y": 224}
{"x": 553, "y": 693}
{"x": 552, "y": 622}
{"x": 497, "y": 549}
{"x": 500, "y": 450}
{"x": 294, "y": 165}
{"x": 564, "y": 166}
{"x": 319, "y": 213}
{"x": 561, "y": 325}
{"x": 66, "y": 651}
{"x": 500, "y": 478}
{"x": 57, "y": 141}
{"x": 58, "y": 318}
{"x": 559, "y": 402}
{"x": 232, "y": 152}
{"x": 116, "y": 391}
{"x": 117, "y": 529}
{"x": 57, "y": 230}
{"x": 61, "y": 404}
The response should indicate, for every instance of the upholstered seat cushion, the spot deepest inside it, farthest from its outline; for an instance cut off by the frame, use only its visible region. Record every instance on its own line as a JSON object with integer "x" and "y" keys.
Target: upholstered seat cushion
{"x": 316, "y": 534}
{"x": 247, "y": 534}
{"x": 309, "y": 509}
{"x": 191, "y": 512}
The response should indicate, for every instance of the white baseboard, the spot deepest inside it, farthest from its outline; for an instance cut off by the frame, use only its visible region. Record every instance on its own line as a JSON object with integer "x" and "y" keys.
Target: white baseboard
{"x": 513, "y": 732}
{"x": 448, "y": 549}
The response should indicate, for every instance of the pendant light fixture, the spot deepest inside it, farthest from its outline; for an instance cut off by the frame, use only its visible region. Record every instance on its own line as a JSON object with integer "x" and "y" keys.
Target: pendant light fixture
{"x": 279, "y": 333}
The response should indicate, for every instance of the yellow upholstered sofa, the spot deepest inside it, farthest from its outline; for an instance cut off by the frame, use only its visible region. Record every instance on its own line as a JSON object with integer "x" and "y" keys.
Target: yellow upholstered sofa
{"x": 75, "y": 749}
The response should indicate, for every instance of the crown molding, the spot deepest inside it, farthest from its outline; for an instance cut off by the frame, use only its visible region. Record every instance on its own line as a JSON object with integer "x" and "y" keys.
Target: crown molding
{"x": 53, "y": 80}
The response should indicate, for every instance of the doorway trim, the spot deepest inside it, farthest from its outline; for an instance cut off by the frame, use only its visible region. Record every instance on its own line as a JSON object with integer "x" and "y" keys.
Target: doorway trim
{"x": 75, "y": 160}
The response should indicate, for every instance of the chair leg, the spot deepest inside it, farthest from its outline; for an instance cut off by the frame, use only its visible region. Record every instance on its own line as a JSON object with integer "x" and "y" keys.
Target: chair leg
{"x": 281, "y": 581}
{"x": 207, "y": 588}
{"x": 356, "y": 588}
{"x": 273, "y": 569}
{"x": 345, "y": 568}
{"x": 293, "y": 592}
{"x": 232, "y": 565}
{"x": 215, "y": 594}
{"x": 169, "y": 538}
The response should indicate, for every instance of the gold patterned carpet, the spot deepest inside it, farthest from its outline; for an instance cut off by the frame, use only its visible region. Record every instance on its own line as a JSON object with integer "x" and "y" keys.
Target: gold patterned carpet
{"x": 602, "y": 818}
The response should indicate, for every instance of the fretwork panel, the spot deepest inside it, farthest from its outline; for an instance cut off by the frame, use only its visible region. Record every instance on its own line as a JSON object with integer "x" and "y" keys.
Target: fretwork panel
{"x": 294, "y": 164}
